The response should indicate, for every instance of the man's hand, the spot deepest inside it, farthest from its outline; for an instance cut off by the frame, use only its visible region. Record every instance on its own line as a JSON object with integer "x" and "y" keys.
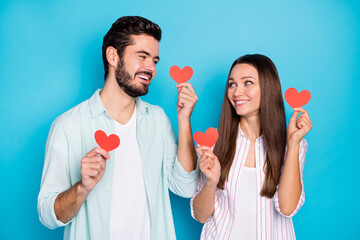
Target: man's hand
{"x": 93, "y": 168}
{"x": 68, "y": 203}
{"x": 186, "y": 100}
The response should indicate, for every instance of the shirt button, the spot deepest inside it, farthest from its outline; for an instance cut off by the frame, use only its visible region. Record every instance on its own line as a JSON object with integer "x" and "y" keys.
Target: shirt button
{"x": 112, "y": 130}
{"x": 106, "y": 216}
{"x": 108, "y": 187}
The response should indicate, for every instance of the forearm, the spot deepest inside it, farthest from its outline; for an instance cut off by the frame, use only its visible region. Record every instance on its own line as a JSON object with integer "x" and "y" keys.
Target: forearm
{"x": 290, "y": 185}
{"x": 186, "y": 149}
{"x": 68, "y": 203}
{"x": 204, "y": 203}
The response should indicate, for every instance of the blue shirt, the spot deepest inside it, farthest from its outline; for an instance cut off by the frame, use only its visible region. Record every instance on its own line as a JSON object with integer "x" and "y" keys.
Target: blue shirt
{"x": 72, "y": 136}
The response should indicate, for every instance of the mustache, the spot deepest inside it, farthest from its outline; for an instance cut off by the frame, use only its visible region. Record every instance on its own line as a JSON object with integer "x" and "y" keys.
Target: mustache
{"x": 144, "y": 72}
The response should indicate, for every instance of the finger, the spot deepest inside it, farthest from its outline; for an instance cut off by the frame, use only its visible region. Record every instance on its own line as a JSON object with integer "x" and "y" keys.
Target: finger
{"x": 93, "y": 166}
{"x": 217, "y": 164}
{"x": 205, "y": 165}
{"x": 204, "y": 159}
{"x": 185, "y": 85}
{"x": 306, "y": 120}
{"x": 93, "y": 162}
{"x": 189, "y": 91}
{"x": 187, "y": 96}
{"x": 305, "y": 116}
{"x": 186, "y": 90}
{"x": 187, "y": 99}
{"x": 303, "y": 111}
{"x": 301, "y": 124}
{"x": 210, "y": 154}
{"x": 208, "y": 164}
{"x": 97, "y": 150}
{"x": 89, "y": 173}
{"x": 96, "y": 158}
{"x": 200, "y": 150}
{"x": 294, "y": 115}
{"x": 307, "y": 125}
{"x": 99, "y": 159}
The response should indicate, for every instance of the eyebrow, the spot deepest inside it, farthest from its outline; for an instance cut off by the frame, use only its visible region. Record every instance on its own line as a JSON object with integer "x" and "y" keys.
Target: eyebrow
{"x": 242, "y": 78}
{"x": 148, "y": 54}
{"x": 248, "y": 77}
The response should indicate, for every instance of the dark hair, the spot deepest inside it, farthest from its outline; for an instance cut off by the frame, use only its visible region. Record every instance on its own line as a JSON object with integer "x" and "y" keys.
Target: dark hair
{"x": 272, "y": 119}
{"x": 119, "y": 35}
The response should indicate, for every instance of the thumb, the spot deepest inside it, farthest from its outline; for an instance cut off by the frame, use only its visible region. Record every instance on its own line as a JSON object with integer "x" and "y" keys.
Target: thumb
{"x": 294, "y": 115}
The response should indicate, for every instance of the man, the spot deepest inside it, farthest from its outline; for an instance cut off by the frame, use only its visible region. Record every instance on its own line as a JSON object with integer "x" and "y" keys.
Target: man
{"x": 121, "y": 194}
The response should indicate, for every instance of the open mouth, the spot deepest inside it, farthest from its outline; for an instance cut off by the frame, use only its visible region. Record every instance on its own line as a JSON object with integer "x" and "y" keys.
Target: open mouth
{"x": 144, "y": 77}
{"x": 242, "y": 102}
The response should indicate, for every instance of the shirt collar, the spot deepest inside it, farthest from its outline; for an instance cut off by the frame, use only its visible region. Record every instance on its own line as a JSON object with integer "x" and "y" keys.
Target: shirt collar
{"x": 141, "y": 108}
{"x": 97, "y": 108}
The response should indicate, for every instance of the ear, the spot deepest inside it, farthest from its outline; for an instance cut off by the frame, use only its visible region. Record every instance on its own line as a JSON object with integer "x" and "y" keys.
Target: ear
{"x": 112, "y": 56}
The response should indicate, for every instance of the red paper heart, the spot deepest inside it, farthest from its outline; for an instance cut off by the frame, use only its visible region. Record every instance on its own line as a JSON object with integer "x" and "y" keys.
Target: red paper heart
{"x": 208, "y": 138}
{"x": 181, "y": 76}
{"x": 295, "y": 99}
{"x": 107, "y": 143}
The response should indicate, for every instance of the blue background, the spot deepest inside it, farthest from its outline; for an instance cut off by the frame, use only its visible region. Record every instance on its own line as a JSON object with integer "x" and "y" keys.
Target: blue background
{"x": 51, "y": 61}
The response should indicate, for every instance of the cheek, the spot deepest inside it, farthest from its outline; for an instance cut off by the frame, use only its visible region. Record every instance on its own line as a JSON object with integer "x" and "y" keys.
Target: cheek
{"x": 229, "y": 95}
{"x": 255, "y": 93}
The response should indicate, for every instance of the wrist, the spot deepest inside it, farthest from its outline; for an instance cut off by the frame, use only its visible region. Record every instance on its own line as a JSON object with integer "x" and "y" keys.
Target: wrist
{"x": 184, "y": 121}
{"x": 211, "y": 184}
{"x": 293, "y": 144}
{"x": 81, "y": 189}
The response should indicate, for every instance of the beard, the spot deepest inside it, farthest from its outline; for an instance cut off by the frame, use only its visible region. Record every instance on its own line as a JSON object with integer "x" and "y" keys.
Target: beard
{"x": 124, "y": 80}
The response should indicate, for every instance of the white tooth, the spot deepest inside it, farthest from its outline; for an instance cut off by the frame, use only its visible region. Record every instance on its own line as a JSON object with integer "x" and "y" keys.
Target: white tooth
{"x": 241, "y": 102}
{"x": 143, "y": 77}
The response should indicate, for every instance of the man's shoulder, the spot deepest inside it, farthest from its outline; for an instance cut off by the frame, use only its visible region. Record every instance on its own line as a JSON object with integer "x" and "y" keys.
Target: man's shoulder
{"x": 74, "y": 116}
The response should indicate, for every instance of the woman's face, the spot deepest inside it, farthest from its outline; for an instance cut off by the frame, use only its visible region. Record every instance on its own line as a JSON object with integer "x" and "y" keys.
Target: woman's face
{"x": 244, "y": 90}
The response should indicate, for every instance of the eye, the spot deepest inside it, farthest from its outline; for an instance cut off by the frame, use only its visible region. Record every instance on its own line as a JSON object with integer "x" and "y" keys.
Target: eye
{"x": 231, "y": 84}
{"x": 248, "y": 82}
{"x": 156, "y": 61}
{"x": 142, "y": 56}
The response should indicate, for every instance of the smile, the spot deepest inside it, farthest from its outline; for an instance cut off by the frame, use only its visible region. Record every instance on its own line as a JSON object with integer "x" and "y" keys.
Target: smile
{"x": 144, "y": 78}
{"x": 242, "y": 102}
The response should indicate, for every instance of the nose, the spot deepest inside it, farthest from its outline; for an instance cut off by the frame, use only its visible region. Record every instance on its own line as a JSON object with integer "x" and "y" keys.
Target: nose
{"x": 150, "y": 65}
{"x": 238, "y": 91}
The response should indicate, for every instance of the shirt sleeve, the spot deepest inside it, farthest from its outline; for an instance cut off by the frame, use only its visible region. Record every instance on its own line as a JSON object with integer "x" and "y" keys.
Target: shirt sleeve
{"x": 55, "y": 177}
{"x": 200, "y": 186}
{"x": 180, "y": 181}
{"x": 220, "y": 200}
{"x": 302, "y": 152}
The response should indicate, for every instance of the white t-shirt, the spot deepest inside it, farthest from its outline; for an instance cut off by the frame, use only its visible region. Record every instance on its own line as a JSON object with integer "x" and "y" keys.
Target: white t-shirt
{"x": 130, "y": 213}
{"x": 244, "y": 226}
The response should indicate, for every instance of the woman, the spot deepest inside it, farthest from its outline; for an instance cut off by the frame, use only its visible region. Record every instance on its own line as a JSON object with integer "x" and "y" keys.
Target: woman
{"x": 251, "y": 184}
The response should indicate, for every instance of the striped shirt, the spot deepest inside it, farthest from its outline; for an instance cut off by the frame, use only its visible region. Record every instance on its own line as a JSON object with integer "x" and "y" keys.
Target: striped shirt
{"x": 271, "y": 223}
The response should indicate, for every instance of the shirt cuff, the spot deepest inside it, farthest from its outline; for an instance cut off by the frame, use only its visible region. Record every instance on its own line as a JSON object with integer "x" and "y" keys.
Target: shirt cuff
{"x": 48, "y": 216}
{"x": 182, "y": 175}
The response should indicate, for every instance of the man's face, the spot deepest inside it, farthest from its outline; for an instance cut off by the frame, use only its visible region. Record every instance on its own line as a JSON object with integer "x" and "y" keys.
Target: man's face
{"x": 137, "y": 67}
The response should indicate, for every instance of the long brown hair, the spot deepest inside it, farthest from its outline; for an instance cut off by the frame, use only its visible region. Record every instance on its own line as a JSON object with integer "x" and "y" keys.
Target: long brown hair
{"x": 272, "y": 119}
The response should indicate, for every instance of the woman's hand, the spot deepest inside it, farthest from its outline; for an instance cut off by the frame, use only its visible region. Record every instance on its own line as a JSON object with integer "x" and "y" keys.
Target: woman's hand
{"x": 209, "y": 165}
{"x": 297, "y": 129}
